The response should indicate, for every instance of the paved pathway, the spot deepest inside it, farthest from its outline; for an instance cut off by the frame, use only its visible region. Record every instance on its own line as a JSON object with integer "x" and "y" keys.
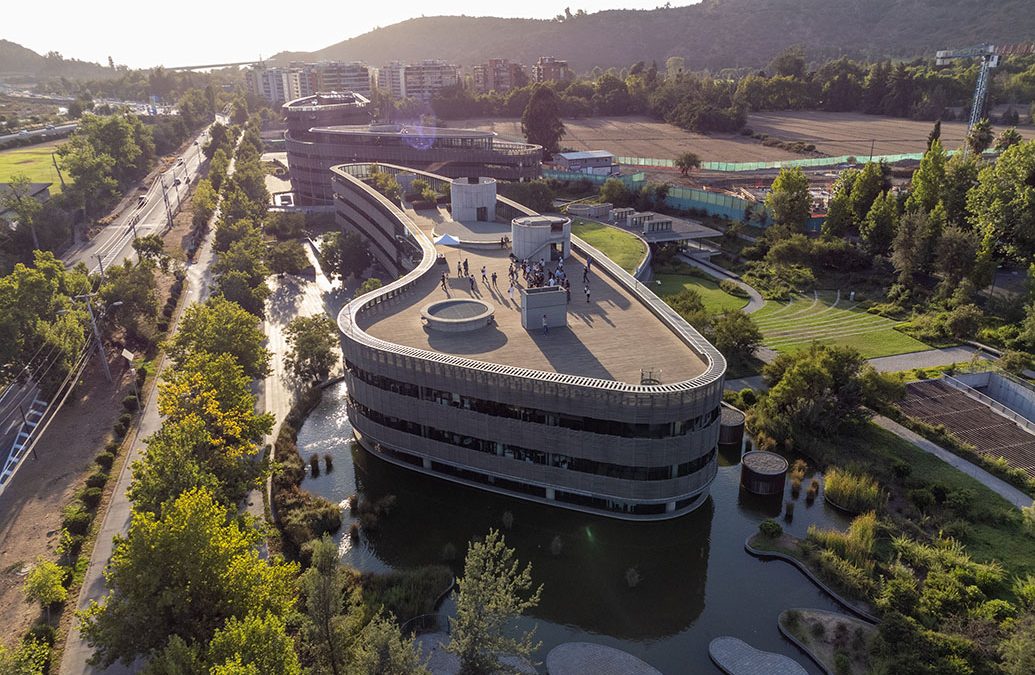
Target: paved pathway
{"x": 579, "y": 658}
{"x": 755, "y": 299}
{"x": 932, "y": 358}
{"x": 737, "y": 657}
{"x": 997, "y": 485}
{"x": 117, "y": 518}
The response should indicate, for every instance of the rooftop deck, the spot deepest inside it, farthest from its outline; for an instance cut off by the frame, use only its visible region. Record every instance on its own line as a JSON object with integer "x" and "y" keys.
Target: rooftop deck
{"x": 612, "y": 337}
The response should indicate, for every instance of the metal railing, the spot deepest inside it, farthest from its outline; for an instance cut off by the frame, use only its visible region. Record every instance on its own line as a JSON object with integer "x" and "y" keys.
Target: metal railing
{"x": 347, "y": 318}
{"x": 993, "y": 404}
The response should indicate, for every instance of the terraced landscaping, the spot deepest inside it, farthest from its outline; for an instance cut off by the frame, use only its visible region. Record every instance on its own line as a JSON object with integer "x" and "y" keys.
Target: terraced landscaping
{"x": 827, "y": 318}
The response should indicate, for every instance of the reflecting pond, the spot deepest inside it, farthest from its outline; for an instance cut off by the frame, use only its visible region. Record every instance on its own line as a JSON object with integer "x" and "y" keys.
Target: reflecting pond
{"x": 696, "y": 582}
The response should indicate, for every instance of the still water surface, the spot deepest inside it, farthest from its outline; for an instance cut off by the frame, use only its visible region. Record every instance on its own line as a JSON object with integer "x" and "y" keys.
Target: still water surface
{"x": 696, "y": 580}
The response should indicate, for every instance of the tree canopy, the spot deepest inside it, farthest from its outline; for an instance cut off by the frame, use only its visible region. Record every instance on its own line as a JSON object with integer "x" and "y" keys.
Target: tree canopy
{"x": 219, "y": 326}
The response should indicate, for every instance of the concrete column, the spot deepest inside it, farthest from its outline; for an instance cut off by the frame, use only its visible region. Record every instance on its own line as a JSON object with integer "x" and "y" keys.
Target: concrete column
{"x": 426, "y": 463}
{"x": 550, "y": 493}
{"x": 670, "y": 507}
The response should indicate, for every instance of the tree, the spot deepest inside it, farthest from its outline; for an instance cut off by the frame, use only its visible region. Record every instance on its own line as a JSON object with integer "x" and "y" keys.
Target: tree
{"x": 1002, "y": 204}
{"x": 229, "y": 232}
{"x": 214, "y": 389}
{"x": 218, "y": 326}
{"x": 961, "y": 172}
{"x": 1007, "y": 138}
{"x": 184, "y": 574}
{"x": 955, "y": 255}
{"x": 814, "y": 393}
{"x": 935, "y": 135}
{"x": 615, "y": 192}
{"x": 92, "y": 188}
{"x": 789, "y": 63}
{"x": 980, "y": 136}
{"x": 136, "y": 288}
{"x": 911, "y": 246}
{"x": 840, "y": 215}
{"x": 258, "y": 641}
{"x": 45, "y": 584}
{"x": 151, "y": 248}
{"x": 344, "y": 255}
{"x": 541, "y": 121}
{"x": 18, "y": 200}
{"x": 689, "y": 305}
{"x": 878, "y": 229}
{"x": 175, "y": 462}
{"x": 323, "y": 586}
{"x": 687, "y": 162}
{"x": 866, "y": 188}
{"x": 493, "y": 592}
{"x": 28, "y": 658}
{"x": 381, "y": 649}
{"x": 287, "y": 257}
{"x": 736, "y": 335}
{"x": 313, "y": 342}
{"x": 371, "y": 284}
{"x": 789, "y": 199}
{"x": 925, "y": 190}
{"x": 204, "y": 202}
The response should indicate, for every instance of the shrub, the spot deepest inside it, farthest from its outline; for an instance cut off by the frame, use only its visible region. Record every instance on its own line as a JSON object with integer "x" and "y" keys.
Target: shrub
{"x": 788, "y": 511}
{"x": 813, "y": 492}
{"x": 314, "y": 465}
{"x": 76, "y": 519}
{"x": 770, "y": 528}
{"x": 901, "y": 469}
{"x": 328, "y": 462}
{"x": 126, "y": 418}
{"x": 922, "y": 498}
{"x": 732, "y": 288}
{"x": 97, "y": 479}
{"x": 91, "y": 496}
{"x": 119, "y": 430}
{"x": 853, "y": 492}
{"x": 842, "y": 664}
{"x": 855, "y": 545}
{"x": 817, "y": 629}
{"x": 105, "y": 460}
{"x": 843, "y": 573}
{"x": 130, "y": 403}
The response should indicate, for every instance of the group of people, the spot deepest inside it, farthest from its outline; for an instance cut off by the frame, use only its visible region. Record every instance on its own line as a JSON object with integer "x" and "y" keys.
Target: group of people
{"x": 535, "y": 274}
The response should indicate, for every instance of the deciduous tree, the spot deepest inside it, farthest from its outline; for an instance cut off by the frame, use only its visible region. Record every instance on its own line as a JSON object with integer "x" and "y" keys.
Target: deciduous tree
{"x": 789, "y": 199}
{"x": 313, "y": 342}
{"x": 45, "y": 584}
{"x": 184, "y": 574}
{"x": 218, "y": 326}
{"x": 736, "y": 335}
{"x": 687, "y": 162}
{"x": 541, "y": 122}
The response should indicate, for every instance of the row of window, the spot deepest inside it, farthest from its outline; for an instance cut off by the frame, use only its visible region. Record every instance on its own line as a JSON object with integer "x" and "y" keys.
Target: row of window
{"x": 535, "y": 415}
{"x": 599, "y": 503}
{"x": 519, "y": 454}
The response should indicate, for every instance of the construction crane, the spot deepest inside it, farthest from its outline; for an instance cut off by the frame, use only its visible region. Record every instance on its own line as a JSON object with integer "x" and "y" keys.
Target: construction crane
{"x": 989, "y": 55}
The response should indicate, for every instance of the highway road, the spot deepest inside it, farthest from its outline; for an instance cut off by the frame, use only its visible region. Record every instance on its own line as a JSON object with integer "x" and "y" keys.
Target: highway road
{"x": 59, "y": 130}
{"x": 114, "y": 243}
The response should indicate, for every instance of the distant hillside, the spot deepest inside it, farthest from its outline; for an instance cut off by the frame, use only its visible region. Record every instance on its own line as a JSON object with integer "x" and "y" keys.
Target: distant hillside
{"x": 713, "y": 34}
{"x": 18, "y": 60}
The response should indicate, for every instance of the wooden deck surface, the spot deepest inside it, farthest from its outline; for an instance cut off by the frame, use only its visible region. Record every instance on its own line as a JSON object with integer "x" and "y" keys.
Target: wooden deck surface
{"x": 611, "y": 337}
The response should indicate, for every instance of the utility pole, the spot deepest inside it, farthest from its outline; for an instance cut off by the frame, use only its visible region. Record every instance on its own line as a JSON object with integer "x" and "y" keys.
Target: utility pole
{"x": 96, "y": 333}
{"x": 165, "y": 198}
{"x": 100, "y": 263}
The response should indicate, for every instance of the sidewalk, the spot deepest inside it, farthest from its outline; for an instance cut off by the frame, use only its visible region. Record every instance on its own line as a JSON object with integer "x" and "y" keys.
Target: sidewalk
{"x": 997, "y": 485}
{"x": 117, "y": 518}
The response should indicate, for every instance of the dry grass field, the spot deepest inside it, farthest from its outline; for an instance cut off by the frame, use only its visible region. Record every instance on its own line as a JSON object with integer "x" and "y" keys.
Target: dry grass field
{"x": 638, "y": 136}
{"x": 851, "y": 133}
{"x": 832, "y": 133}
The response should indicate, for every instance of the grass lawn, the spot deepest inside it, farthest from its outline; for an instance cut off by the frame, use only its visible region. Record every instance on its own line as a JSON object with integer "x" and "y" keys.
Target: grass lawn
{"x": 715, "y": 299}
{"x": 34, "y": 161}
{"x": 621, "y": 247}
{"x": 826, "y": 318}
{"x": 994, "y": 530}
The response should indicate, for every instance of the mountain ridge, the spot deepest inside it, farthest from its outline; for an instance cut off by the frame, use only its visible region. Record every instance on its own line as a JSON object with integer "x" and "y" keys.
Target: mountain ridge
{"x": 712, "y": 34}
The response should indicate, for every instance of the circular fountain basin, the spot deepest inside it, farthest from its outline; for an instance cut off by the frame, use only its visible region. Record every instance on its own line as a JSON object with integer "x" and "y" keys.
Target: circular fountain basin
{"x": 457, "y": 316}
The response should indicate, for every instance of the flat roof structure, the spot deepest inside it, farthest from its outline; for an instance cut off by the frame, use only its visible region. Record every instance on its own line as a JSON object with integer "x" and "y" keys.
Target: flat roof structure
{"x": 605, "y": 338}
{"x": 586, "y": 154}
{"x": 610, "y": 407}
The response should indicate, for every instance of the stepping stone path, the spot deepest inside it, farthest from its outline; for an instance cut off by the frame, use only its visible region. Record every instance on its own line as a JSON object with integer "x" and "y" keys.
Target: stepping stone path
{"x": 737, "y": 657}
{"x": 582, "y": 658}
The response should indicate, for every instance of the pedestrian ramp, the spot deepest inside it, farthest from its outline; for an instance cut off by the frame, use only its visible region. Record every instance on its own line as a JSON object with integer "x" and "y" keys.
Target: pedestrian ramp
{"x": 20, "y": 445}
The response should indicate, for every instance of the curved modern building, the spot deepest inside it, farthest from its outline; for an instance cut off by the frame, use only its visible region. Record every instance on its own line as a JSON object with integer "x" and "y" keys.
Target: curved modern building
{"x": 613, "y": 409}
{"x": 322, "y": 133}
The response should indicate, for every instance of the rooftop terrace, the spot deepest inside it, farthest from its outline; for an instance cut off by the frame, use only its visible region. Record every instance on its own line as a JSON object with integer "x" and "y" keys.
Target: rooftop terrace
{"x": 612, "y": 337}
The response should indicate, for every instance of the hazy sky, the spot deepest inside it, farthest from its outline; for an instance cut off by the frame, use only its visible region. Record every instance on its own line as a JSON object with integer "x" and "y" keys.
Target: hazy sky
{"x": 143, "y": 33}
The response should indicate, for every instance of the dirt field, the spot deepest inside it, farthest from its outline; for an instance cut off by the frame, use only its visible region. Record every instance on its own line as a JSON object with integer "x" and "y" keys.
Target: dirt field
{"x": 637, "y": 136}
{"x": 851, "y": 133}
{"x": 832, "y": 133}
{"x": 30, "y": 508}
